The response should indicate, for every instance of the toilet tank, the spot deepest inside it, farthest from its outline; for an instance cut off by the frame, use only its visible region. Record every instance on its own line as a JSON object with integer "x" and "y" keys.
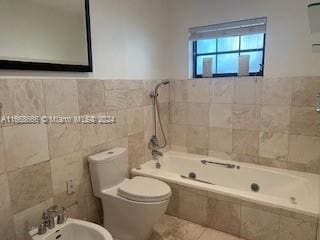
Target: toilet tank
{"x": 108, "y": 169}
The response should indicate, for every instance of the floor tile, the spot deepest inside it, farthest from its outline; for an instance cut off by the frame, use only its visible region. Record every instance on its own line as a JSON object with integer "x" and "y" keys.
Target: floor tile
{"x": 210, "y": 234}
{"x": 172, "y": 228}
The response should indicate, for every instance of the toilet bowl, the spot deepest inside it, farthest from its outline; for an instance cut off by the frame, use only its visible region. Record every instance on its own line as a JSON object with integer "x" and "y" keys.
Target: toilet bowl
{"x": 131, "y": 207}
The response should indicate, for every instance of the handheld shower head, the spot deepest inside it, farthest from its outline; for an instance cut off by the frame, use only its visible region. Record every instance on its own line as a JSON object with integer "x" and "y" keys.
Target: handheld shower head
{"x": 155, "y": 92}
{"x": 154, "y": 142}
{"x": 165, "y": 82}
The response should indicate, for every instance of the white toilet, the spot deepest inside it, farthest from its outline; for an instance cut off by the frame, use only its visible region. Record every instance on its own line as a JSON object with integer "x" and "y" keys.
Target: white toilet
{"x": 131, "y": 207}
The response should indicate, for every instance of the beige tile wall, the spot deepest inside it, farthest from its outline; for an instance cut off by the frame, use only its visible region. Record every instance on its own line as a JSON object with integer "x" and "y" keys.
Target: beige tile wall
{"x": 268, "y": 121}
{"x": 37, "y": 160}
{"x": 258, "y": 120}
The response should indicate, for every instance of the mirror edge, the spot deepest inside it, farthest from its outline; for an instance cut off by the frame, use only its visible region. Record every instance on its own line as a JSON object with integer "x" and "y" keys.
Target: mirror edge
{"x": 40, "y": 66}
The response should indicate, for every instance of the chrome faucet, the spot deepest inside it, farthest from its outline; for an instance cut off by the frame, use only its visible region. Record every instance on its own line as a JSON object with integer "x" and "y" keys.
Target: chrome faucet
{"x": 154, "y": 143}
{"x": 62, "y": 218}
{"x": 155, "y": 155}
{"x": 47, "y": 220}
{"x": 48, "y": 217}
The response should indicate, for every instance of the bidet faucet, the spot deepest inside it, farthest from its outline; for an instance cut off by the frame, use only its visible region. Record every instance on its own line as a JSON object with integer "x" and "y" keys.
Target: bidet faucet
{"x": 48, "y": 217}
{"x": 62, "y": 218}
{"x": 47, "y": 220}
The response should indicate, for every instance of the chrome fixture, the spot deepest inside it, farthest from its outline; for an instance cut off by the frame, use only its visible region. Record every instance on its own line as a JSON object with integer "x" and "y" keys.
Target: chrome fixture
{"x": 318, "y": 103}
{"x": 155, "y": 92}
{"x": 48, "y": 217}
{"x": 47, "y": 220}
{"x": 155, "y": 155}
{"x": 192, "y": 175}
{"x": 154, "y": 144}
{"x": 197, "y": 180}
{"x": 226, "y": 165}
{"x": 62, "y": 218}
{"x": 255, "y": 187}
{"x": 42, "y": 229}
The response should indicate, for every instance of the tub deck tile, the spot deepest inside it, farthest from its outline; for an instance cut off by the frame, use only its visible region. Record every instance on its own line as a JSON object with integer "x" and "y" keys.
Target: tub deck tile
{"x": 298, "y": 216}
{"x": 224, "y": 216}
{"x": 193, "y": 205}
{"x": 291, "y": 228}
{"x": 173, "y": 207}
{"x": 257, "y": 224}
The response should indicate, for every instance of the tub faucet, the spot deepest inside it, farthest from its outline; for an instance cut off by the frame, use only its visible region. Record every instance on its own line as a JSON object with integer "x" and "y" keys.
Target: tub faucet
{"x": 155, "y": 155}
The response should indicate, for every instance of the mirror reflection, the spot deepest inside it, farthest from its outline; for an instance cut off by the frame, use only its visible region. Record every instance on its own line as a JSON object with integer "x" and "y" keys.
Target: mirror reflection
{"x": 44, "y": 31}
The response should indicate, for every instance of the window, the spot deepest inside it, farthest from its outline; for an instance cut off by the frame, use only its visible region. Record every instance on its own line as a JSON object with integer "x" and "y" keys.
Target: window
{"x": 225, "y": 43}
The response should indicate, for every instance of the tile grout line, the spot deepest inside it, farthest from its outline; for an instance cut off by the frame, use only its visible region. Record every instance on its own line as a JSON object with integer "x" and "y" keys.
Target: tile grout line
{"x": 289, "y": 127}
{"x": 203, "y": 231}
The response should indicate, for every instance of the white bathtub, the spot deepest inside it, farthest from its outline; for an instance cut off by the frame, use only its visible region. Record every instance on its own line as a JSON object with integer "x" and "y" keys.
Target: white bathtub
{"x": 285, "y": 189}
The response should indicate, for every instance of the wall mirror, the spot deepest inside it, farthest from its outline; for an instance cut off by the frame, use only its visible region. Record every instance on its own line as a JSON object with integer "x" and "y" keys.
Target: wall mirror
{"x": 314, "y": 17}
{"x": 45, "y": 35}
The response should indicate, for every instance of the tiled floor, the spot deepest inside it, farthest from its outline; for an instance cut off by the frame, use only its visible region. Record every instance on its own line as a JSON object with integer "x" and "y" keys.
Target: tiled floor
{"x": 171, "y": 228}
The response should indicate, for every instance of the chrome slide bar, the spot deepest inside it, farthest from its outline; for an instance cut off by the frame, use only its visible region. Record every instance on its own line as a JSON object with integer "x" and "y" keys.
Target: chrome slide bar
{"x": 197, "y": 180}
{"x": 226, "y": 165}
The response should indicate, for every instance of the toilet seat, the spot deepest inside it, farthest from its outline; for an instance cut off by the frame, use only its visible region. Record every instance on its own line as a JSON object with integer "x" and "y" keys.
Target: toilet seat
{"x": 143, "y": 189}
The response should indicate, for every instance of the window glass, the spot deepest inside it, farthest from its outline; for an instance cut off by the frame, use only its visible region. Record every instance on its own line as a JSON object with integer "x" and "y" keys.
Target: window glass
{"x": 206, "y": 46}
{"x": 200, "y": 64}
{"x": 228, "y": 44}
{"x": 225, "y": 54}
{"x": 255, "y": 60}
{"x": 228, "y": 63}
{"x": 254, "y": 41}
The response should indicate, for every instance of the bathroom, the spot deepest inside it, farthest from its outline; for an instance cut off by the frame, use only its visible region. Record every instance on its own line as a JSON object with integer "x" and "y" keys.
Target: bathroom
{"x": 236, "y": 156}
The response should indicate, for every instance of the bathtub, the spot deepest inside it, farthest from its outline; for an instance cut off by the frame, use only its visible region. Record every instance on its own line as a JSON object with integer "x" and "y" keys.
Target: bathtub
{"x": 279, "y": 188}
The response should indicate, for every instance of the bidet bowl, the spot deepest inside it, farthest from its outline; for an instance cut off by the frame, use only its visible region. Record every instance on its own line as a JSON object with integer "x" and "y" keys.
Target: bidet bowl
{"x": 73, "y": 229}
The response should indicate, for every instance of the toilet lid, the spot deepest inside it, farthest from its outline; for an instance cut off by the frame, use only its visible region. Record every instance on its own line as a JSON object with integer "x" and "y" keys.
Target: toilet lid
{"x": 143, "y": 189}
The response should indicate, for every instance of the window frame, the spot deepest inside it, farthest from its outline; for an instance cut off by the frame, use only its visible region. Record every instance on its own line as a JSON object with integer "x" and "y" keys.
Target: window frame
{"x": 195, "y": 55}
